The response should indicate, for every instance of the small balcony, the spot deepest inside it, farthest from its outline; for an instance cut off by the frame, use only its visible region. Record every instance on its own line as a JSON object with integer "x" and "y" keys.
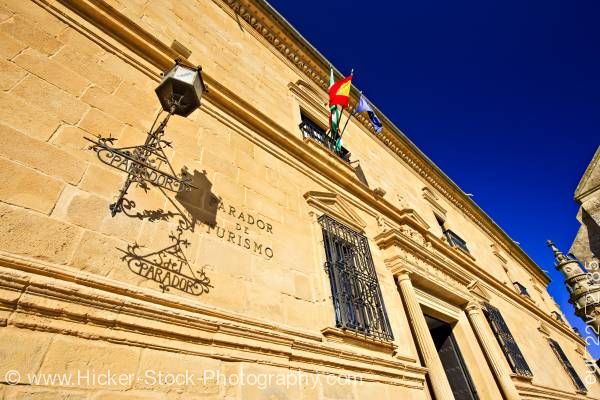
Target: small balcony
{"x": 313, "y": 131}
{"x": 456, "y": 241}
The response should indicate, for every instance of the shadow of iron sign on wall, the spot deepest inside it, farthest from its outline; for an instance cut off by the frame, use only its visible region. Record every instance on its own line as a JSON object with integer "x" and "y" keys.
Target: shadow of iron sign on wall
{"x": 169, "y": 266}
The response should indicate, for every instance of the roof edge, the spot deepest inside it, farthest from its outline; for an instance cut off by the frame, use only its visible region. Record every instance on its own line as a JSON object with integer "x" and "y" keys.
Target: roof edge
{"x": 324, "y": 64}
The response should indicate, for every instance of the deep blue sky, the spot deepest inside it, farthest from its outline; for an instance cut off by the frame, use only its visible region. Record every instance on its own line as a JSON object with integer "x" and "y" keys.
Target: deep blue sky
{"x": 503, "y": 96}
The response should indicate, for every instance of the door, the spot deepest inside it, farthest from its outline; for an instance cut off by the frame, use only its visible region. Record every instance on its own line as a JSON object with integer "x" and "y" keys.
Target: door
{"x": 452, "y": 360}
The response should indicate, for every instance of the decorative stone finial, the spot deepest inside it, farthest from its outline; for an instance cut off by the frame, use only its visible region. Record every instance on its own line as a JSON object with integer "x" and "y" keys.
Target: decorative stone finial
{"x": 558, "y": 255}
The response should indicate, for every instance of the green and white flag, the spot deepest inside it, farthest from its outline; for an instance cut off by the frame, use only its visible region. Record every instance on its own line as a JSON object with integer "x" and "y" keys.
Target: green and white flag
{"x": 334, "y": 112}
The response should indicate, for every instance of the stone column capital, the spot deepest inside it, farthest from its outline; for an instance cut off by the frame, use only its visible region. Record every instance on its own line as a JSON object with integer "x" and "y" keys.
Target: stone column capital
{"x": 403, "y": 275}
{"x": 473, "y": 307}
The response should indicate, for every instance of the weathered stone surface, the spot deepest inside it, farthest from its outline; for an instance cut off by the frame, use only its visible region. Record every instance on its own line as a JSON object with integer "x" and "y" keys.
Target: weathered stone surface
{"x": 19, "y": 28}
{"x": 97, "y": 123}
{"x": 26, "y": 359}
{"x": 35, "y": 393}
{"x": 81, "y": 208}
{"x": 102, "y": 181}
{"x": 46, "y": 96}
{"x": 100, "y": 254}
{"x": 27, "y": 188}
{"x": 79, "y": 60}
{"x": 80, "y": 43}
{"x": 26, "y": 117}
{"x": 114, "y": 106}
{"x": 28, "y": 233}
{"x": 71, "y": 140}
{"x": 41, "y": 156}
{"x": 187, "y": 372}
{"x": 133, "y": 395}
{"x": 86, "y": 359}
{"x": 10, "y": 74}
{"x": 51, "y": 71}
{"x": 35, "y": 15}
{"x": 10, "y": 46}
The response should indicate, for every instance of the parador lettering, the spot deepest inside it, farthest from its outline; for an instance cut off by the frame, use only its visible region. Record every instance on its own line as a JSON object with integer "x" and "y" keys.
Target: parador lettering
{"x": 240, "y": 235}
{"x": 246, "y": 218}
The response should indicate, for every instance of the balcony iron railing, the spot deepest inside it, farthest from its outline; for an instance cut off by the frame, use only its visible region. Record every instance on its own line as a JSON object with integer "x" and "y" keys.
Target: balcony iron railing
{"x": 313, "y": 131}
{"x": 456, "y": 241}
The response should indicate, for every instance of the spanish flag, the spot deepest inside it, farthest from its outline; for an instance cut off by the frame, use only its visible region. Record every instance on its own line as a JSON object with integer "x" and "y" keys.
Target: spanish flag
{"x": 339, "y": 92}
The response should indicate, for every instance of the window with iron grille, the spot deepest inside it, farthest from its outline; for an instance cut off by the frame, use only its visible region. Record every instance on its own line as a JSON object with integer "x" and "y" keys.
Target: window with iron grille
{"x": 453, "y": 239}
{"x": 507, "y": 341}
{"x": 567, "y": 365}
{"x": 521, "y": 289}
{"x": 456, "y": 240}
{"x": 357, "y": 299}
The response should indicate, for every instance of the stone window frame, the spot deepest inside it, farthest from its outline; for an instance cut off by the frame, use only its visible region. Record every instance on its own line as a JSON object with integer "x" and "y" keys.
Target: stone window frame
{"x": 568, "y": 367}
{"x": 507, "y": 342}
{"x": 378, "y": 326}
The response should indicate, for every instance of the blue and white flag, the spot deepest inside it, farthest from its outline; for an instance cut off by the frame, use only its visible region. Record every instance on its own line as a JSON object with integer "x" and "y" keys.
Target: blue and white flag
{"x": 363, "y": 106}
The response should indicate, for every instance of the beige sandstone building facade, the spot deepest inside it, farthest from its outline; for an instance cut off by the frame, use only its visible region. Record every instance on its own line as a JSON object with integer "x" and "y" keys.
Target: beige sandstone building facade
{"x": 287, "y": 272}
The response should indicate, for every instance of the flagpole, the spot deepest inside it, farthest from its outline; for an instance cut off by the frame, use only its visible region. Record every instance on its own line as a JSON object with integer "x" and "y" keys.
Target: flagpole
{"x": 346, "y": 124}
{"x": 342, "y": 111}
{"x": 350, "y": 116}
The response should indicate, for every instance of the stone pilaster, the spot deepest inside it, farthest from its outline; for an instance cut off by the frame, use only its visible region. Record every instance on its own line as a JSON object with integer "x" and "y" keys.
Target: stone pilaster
{"x": 490, "y": 349}
{"x": 437, "y": 375}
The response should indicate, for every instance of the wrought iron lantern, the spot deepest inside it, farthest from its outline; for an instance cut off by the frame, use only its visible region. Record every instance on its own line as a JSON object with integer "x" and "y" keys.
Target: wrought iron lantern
{"x": 147, "y": 165}
{"x": 181, "y": 89}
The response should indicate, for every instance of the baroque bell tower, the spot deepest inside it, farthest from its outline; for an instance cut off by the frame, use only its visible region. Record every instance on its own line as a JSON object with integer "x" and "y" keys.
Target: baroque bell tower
{"x": 583, "y": 287}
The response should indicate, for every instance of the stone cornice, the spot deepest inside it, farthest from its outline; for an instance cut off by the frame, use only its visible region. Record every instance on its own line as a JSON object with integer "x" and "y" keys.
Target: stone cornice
{"x": 272, "y": 27}
{"x": 55, "y": 298}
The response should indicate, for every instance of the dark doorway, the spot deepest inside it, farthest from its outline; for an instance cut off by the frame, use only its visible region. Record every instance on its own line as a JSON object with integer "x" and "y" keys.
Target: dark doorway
{"x": 452, "y": 360}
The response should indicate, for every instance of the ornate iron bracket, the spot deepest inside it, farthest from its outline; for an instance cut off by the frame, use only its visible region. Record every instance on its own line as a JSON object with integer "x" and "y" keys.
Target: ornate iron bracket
{"x": 169, "y": 266}
{"x": 145, "y": 165}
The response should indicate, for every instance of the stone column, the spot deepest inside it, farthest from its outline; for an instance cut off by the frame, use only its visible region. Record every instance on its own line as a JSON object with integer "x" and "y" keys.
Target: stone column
{"x": 490, "y": 349}
{"x": 437, "y": 375}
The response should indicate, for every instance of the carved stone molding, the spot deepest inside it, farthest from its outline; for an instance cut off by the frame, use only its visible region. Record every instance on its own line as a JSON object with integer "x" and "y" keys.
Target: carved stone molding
{"x": 398, "y": 243}
{"x": 308, "y": 95}
{"x": 46, "y": 297}
{"x": 496, "y": 251}
{"x": 543, "y": 328}
{"x": 335, "y": 206}
{"x": 476, "y": 288}
{"x": 433, "y": 199}
{"x": 338, "y": 335}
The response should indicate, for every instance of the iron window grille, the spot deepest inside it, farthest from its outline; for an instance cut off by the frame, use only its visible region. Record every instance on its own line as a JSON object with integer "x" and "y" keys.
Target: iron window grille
{"x": 312, "y": 130}
{"x": 455, "y": 240}
{"x": 567, "y": 365}
{"x": 357, "y": 300}
{"x": 521, "y": 289}
{"x": 507, "y": 341}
